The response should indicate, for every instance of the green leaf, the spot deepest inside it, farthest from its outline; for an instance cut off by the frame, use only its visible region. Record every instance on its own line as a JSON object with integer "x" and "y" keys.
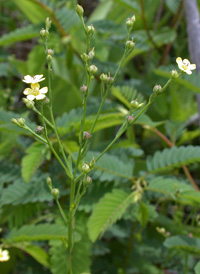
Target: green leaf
{"x": 143, "y": 214}
{"x": 171, "y": 158}
{"x": 21, "y": 193}
{"x": 20, "y": 34}
{"x": 197, "y": 268}
{"x": 107, "y": 211}
{"x": 33, "y": 159}
{"x": 183, "y": 243}
{"x": 110, "y": 167}
{"x": 39, "y": 232}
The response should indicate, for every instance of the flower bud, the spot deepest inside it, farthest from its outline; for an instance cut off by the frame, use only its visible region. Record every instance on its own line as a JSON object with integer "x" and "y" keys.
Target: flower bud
{"x": 130, "y": 22}
{"x": 157, "y": 89}
{"x": 174, "y": 74}
{"x": 39, "y": 130}
{"x": 86, "y": 135}
{"x": 92, "y": 163}
{"x": 134, "y": 104}
{"x": 85, "y": 168}
{"x": 130, "y": 45}
{"x": 21, "y": 122}
{"x": 110, "y": 80}
{"x": 46, "y": 101}
{"x": 103, "y": 77}
{"x": 93, "y": 69}
{"x": 48, "y": 23}
{"x": 50, "y": 52}
{"x": 49, "y": 183}
{"x": 84, "y": 57}
{"x": 55, "y": 192}
{"x": 49, "y": 57}
{"x": 44, "y": 33}
{"x": 80, "y": 11}
{"x": 28, "y": 103}
{"x": 89, "y": 180}
{"x": 84, "y": 89}
{"x": 90, "y": 30}
{"x": 14, "y": 121}
{"x": 91, "y": 54}
{"x": 130, "y": 120}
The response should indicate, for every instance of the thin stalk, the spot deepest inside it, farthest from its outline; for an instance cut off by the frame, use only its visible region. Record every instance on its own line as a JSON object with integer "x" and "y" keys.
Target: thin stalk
{"x": 61, "y": 211}
{"x": 40, "y": 114}
{"x": 35, "y": 134}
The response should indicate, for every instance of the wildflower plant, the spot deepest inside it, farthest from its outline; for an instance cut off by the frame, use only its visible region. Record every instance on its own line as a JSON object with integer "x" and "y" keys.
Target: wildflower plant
{"x": 39, "y": 99}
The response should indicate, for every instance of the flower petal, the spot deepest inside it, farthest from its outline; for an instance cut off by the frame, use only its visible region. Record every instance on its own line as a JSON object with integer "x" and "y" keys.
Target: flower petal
{"x": 38, "y": 78}
{"x": 31, "y": 97}
{"x": 44, "y": 90}
{"x": 188, "y": 71}
{"x": 35, "y": 86}
{"x": 178, "y": 60}
{"x": 27, "y": 79}
{"x": 192, "y": 66}
{"x": 28, "y": 91}
{"x": 40, "y": 97}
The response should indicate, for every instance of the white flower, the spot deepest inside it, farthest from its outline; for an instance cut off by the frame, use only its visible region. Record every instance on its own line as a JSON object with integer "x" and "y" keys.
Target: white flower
{"x": 4, "y": 255}
{"x": 31, "y": 80}
{"x": 185, "y": 66}
{"x": 35, "y": 92}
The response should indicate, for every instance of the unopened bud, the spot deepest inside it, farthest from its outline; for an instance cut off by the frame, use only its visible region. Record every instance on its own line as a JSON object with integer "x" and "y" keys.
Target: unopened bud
{"x": 49, "y": 182}
{"x": 157, "y": 89}
{"x": 39, "y": 130}
{"x": 85, "y": 168}
{"x": 130, "y": 120}
{"x": 84, "y": 57}
{"x": 93, "y": 69}
{"x": 91, "y": 54}
{"x": 49, "y": 57}
{"x": 130, "y": 45}
{"x": 86, "y": 135}
{"x": 92, "y": 163}
{"x": 50, "y": 52}
{"x": 103, "y": 77}
{"x": 134, "y": 104}
{"x": 130, "y": 22}
{"x": 79, "y": 10}
{"x": 44, "y": 33}
{"x": 46, "y": 101}
{"x": 89, "y": 180}
{"x": 14, "y": 121}
{"x": 174, "y": 74}
{"x": 55, "y": 192}
{"x": 28, "y": 103}
{"x": 21, "y": 122}
{"x": 90, "y": 30}
{"x": 110, "y": 80}
{"x": 48, "y": 23}
{"x": 84, "y": 89}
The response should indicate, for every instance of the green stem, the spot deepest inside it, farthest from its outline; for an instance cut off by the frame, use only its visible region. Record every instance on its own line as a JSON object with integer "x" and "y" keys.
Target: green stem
{"x": 46, "y": 120}
{"x": 35, "y": 134}
{"x": 62, "y": 211}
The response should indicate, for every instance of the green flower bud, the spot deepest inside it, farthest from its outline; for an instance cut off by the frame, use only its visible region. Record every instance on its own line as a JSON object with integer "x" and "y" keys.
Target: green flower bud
{"x": 103, "y": 77}
{"x": 44, "y": 33}
{"x": 28, "y": 103}
{"x": 49, "y": 183}
{"x": 50, "y": 52}
{"x": 89, "y": 180}
{"x": 84, "y": 57}
{"x": 91, "y": 54}
{"x": 21, "y": 122}
{"x": 93, "y": 69}
{"x": 110, "y": 80}
{"x": 130, "y": 45}
{"x": 134, "y": 104}
{"x": 90, "y": 30}
{"x": 157, "y": 89}
{"x": 55, "y": 192}
{"x": 48, "y": 23}
{"x": 39, "y": 130}
{"x": 85, "y": 168}
{"x": 174, "y": 74}
{"x": 80, "y": 11}
{"x": 49, "y": 57}
{"x": 14, "y": 121}
{"x": 92, "y": 163}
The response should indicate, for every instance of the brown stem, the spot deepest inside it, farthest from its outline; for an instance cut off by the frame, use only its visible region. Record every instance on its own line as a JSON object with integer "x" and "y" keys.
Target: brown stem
{"x": 170, "y": 144}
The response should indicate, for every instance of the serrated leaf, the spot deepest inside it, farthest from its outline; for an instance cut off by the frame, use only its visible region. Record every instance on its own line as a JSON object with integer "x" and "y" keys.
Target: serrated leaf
{"x": 21, "y": 34}
{"x": 33, "y": 159}
{"x": 174, "y": 157}
{"x": 107, "y": 211}
{"x": 183, "y": 243}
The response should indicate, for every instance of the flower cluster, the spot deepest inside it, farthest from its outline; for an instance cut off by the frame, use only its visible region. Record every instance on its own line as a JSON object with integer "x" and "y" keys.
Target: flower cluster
{"x": 34, "y": 92}
{"x": 4, "y": 255}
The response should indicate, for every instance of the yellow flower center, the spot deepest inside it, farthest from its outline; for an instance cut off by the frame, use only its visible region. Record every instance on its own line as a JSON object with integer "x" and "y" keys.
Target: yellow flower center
{"x": 35, "y": 92}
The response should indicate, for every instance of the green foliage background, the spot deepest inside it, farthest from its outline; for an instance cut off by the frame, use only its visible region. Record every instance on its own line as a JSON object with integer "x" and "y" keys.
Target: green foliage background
{"x": 115, "y": 232}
